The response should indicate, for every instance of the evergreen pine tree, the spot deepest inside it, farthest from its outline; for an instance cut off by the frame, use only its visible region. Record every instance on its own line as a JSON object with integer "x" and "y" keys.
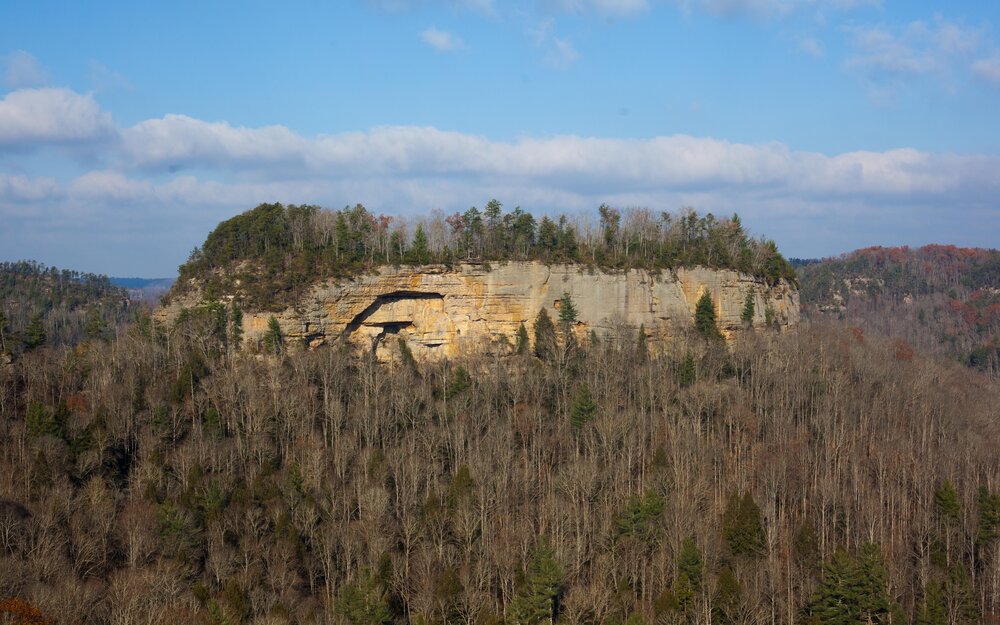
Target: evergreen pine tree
{"x": 641, "y": 349}
{"x": 460, "y": 381}
{"x": 835, "y": 601}
{"x": 583, "y": 409}
{"x": 364, "y": 601}
{"x": 873, "y": 583}
{"x": 806, "y": 546}
{"x": 95, "y": 328}
{"x": 535, "y": 600}
{"x": 743, "y": 527}
{"x": 932, "y": 609}
{"x": 545, "y": 336}
{"x": 567, "y": 311}
{"x": 690, "y": 563}
{"x": 686, "y": 373}
{"x": 684, "y": 591}
{"x": 419, "y": 252}
{"x": 748, "y": 309}
{"x": 853, "y": 590}
{"x": 946, "y": 503}
{"x": 704, "y": 318}
{"x": 3, "y": 332}
{"x": 989, "y": 518}
{"x": 728, "y": 598}
{"x": 273, "y": 339}
{"x": 34, "y": 335}
{"x": 236, "y": 328}
{"x": 567, "y": 319}
{"x": 960, "y": 597}
{"x": 523, "y": 342}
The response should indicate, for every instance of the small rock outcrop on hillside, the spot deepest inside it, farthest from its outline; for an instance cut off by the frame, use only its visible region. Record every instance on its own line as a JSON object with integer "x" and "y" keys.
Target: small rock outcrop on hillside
{"x": 442, "y": 312}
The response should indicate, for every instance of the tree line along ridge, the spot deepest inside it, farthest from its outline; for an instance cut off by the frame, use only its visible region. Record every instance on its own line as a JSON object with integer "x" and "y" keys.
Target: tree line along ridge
{"x": 269, "y": 254}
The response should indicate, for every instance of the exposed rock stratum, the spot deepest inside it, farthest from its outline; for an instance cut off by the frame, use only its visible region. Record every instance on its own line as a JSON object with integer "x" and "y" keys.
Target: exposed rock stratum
{"x": 445, "y": 312}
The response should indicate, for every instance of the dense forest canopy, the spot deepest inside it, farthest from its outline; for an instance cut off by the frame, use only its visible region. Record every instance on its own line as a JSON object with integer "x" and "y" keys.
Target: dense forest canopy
{"x": 940, "y": 298}
{"x": 40, "y": 304}
{"x": 273, "y": 251}
{"x": 815, "y": 476}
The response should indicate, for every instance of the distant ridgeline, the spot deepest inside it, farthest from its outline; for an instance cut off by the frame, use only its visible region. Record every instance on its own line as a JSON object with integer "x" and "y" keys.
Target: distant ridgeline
{"x": 272, "y": 253}
{"x": 939, "y": 298}
{"x": 44, "y": 305}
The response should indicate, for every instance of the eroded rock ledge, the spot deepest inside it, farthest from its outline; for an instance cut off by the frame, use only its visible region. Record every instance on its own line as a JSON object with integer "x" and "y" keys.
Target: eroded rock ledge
{"x": 444, "y": 312}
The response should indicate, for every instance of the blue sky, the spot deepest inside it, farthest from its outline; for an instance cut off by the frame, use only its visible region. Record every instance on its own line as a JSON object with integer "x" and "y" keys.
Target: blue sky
{"x": 128, "y": 130}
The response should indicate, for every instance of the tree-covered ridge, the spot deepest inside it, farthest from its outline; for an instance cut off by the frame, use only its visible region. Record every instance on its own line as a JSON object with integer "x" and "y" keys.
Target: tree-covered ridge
{"x": 901, "y": 271}
{"x": 940, "y": 298}
{"x": 269, "y": 254}
{"x": 40, "y": 304}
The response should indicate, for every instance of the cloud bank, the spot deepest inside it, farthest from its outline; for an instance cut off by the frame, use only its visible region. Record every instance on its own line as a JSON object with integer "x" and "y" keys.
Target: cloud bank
{"x": 164, "y": 182}
{"x": 33, "y": 117}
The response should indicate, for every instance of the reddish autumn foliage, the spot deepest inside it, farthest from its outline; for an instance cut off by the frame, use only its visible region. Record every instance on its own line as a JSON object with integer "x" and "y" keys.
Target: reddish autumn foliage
{"x": 19, "y": 612}
{"x": 77, "y": 402}
{"x": 902, "y": 351}
{"x": 859, "y": 335}
{"x": 939, "y": 299}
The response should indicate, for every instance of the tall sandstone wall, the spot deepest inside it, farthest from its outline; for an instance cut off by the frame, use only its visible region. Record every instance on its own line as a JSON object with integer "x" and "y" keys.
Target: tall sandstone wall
{"x": 445, "y": 312}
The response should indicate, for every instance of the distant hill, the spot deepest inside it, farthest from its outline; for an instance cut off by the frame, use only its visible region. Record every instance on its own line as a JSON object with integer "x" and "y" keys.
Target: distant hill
{"x": 144, "y": 289}
{"x": 47, "y": 305}
{"x": 940, "y": 299}
{"x": 142, "y": 283}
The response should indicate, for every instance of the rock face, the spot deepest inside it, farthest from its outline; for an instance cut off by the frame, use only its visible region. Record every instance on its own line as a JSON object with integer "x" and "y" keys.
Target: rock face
{"x": 443, "y": 312}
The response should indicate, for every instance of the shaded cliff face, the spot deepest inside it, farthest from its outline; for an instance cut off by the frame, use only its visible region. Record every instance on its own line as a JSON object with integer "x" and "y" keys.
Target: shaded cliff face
{"x": 446, "y": 312}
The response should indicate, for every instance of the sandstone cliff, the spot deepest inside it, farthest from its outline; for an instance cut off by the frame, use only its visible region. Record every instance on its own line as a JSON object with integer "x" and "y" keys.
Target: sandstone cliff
{"x": 448, "y": 311}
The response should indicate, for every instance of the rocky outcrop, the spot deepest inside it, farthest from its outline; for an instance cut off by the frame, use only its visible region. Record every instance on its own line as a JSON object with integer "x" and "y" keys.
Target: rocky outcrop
{"x": 444, "y": 312}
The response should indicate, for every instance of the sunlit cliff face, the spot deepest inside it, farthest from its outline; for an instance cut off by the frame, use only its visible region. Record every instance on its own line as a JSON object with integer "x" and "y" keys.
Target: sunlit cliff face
{"x": 441, "y": 312}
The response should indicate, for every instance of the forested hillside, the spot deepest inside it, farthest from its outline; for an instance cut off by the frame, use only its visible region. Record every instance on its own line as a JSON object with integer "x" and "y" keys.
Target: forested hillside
{"x": 939, "y": 299}
{"x": 268, "y": 255}
{"x": 40, "y": 305}
{"x": 815, "y": 476}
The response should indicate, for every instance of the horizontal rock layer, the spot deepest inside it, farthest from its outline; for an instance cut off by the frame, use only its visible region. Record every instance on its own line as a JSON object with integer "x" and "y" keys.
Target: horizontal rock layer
{"x": 444, "y": 312}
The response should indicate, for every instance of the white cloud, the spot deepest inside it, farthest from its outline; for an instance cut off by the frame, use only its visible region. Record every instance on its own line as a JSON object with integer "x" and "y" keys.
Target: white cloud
{"x": 25, "y": 189}
{"x": 486, "y": 7}
{"x": 30, "y": 117}
{"x": 623, "y": 8}
{"x": 812, "y": 47}
{"x": 918, "y": 47}
{"x": 22, "y": 69}
{"x": 567, "y": 163}
{"x": 988, "y": 68}
{"x": 105, "y": 79}
{"x": 406, "y": 169}
{"x": 441, "y": 40}
{"x": 769, "y": 8}
{"x": 177, "y": 141}
{"x": 561, "y": 54}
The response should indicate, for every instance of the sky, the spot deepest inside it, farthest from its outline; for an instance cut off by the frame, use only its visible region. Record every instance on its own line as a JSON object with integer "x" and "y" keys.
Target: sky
{"x": 128, "y": 130}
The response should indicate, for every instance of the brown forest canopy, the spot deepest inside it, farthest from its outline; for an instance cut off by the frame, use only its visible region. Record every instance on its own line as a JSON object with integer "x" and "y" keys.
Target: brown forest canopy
{"x": 814, "y": 476}
{"x": 279, "y": 249}
{"x": 941, "y": 299}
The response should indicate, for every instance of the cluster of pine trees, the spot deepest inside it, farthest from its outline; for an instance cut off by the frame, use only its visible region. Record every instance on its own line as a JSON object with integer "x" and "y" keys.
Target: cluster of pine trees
{"x": 812, "y": 476}
{"x": 273, "y": 251}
